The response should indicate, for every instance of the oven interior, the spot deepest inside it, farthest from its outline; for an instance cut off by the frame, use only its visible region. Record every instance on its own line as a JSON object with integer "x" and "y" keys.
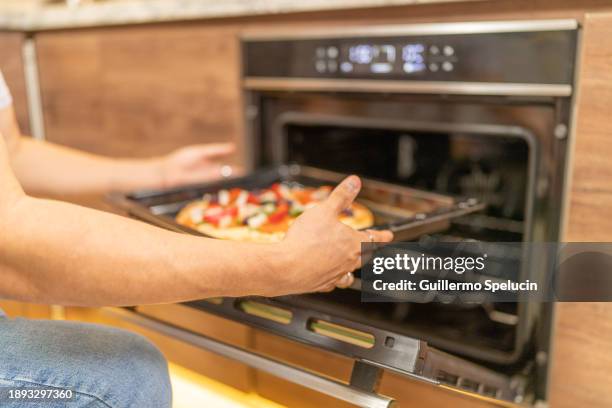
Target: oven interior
{"x": 492, "y": 170}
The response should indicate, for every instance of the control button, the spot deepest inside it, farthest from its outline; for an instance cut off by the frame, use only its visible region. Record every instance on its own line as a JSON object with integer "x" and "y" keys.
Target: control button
{"x": 410, "y": 67}
{"x": 434, "y": 67}
{"x": 320, "y": 52}
{"x": 447, "y": 66}
{"x": 332, "y": 52}
{"x": 346, "y": 67}
{"x": 320, "y": 66}
{"x": 448, "y": 51}
{"x": 434, "y": 50}
{"x": 332, "y": 66}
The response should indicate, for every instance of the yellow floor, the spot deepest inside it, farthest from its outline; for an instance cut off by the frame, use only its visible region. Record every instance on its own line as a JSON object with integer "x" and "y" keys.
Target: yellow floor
{"x": 192, "y": 390}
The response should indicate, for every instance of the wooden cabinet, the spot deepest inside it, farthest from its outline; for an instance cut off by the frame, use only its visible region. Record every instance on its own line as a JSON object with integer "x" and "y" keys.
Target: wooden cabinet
{"x": 140, "y": 91}
{"x": 29, "y": 310}
{"x": 12, "y": 67}
{"x": 582, "y": 345}
{"x": 590, "y": 195}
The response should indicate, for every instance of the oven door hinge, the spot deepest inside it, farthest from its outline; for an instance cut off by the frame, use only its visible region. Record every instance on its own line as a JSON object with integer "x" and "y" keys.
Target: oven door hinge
{"x": 366, "y": 377}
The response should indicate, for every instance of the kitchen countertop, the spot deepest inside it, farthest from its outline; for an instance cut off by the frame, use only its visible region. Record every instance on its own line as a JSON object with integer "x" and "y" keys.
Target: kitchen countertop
{"x": 34, "y": 16}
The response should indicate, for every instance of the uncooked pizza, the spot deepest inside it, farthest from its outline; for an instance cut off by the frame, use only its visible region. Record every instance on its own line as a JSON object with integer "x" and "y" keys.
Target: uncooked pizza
{"x": 262, "y": 215}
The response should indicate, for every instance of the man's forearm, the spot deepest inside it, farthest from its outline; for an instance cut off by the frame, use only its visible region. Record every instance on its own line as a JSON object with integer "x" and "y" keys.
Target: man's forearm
{"x": 44, "y": 168}
{"x": 60, "y": 253}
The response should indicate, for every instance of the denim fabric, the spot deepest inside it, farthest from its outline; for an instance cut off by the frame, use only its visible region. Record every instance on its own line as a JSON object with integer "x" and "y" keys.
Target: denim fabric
{"x": 105, "y": 367}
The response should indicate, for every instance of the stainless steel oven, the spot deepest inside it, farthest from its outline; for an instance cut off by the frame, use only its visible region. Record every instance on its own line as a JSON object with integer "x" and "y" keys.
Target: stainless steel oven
{"x": 480, "y": 111}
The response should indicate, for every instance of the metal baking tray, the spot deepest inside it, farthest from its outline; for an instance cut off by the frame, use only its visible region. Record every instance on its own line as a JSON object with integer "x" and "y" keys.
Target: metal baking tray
{"x": 408, "y": 212}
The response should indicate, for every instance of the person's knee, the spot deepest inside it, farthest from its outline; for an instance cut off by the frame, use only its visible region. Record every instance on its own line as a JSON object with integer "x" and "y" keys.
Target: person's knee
{"x": 142, "y": 372}
{"x": 115, "y": 366}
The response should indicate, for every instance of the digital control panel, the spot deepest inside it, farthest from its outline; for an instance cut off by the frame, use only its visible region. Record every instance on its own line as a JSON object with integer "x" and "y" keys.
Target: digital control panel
{"x": 545, "y": 57}
{"x": 383, "y": 59}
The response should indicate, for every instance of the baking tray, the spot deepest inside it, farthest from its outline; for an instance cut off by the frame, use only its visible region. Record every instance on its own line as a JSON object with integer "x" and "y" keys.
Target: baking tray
{"x": 406, "y": 211}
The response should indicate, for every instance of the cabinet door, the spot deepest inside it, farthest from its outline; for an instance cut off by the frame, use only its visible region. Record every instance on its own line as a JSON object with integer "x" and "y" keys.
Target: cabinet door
{"x": 11, "y": 65}
{"x": 140, "y": 91}
{"x": 581, "y": 359}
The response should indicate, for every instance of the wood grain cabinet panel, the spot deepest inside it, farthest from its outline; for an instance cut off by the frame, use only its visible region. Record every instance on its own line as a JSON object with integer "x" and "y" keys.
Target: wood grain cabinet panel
{"x": 140, "y": 91}
{"x": 12, "y": 67}
{"x": 29, "y": 310}
{"x": 590, "y": 210}
{"x": 582, "y": 353}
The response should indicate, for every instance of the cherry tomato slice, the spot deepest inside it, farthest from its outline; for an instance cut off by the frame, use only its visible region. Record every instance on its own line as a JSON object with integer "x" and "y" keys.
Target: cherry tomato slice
{"x": 214, "y": 217}
{"x": 252, "y": 199}
{"x": 233, "y": 194}
{"x": 303, "y": 196}
{"x": 282, "y": 210}
{"x": 276, "y": 189}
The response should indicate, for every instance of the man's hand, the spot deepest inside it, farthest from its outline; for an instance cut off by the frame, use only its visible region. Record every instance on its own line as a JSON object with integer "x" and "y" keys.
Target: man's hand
{"x": 194, "y": 164}
{"x": 322, "y": 250}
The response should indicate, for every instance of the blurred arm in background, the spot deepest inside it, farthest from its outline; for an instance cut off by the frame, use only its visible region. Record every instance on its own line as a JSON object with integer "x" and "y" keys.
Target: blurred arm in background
{"x": 44, "y": 167}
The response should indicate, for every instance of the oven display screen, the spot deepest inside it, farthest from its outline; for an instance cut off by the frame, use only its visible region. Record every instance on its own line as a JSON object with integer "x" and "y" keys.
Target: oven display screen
{"x": 382, "y": 59}
{"x": 413, "y": 58}
{"x": 375, "y": 59}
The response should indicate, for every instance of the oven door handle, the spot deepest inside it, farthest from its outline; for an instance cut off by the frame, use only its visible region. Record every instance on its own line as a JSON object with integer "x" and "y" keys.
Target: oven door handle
{"x": 308, "y": 379}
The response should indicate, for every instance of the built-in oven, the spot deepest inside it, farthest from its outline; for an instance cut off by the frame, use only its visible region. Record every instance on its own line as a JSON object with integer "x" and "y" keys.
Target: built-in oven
{"x": 480, "y": 111}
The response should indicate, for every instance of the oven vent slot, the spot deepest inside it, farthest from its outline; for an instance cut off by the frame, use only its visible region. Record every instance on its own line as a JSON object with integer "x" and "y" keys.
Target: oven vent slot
{"x": 447, "y": 378}
{"x": 265, "y": 311}
{"x": 467, "y": 384}
{"x": 488, "y": 391}
{"x": 342, "y": 333}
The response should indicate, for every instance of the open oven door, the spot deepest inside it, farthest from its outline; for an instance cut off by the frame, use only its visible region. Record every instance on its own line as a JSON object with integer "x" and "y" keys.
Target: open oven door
{"x": 373, "y": 352}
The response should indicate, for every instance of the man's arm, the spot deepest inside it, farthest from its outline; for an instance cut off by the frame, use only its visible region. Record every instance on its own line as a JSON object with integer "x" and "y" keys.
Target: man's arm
{"x": 54, "y": 252}
{"x": 45, "y": 168}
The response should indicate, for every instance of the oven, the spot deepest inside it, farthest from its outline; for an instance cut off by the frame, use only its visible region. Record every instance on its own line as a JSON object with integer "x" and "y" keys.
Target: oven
{"x": 479, "y": 112}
